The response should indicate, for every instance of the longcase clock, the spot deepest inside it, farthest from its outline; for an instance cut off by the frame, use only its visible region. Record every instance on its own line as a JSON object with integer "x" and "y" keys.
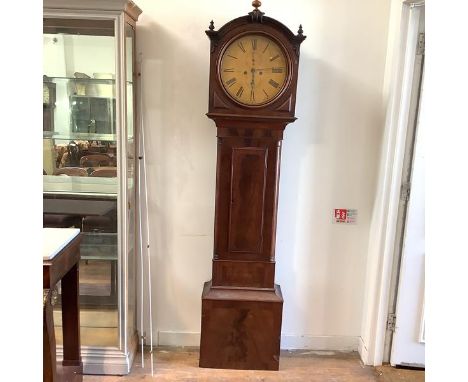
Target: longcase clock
{"x": 252, "y": 96}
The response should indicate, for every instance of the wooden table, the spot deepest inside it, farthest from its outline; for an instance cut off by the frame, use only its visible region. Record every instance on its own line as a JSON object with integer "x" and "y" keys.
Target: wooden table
{"x": 61, "y": 256}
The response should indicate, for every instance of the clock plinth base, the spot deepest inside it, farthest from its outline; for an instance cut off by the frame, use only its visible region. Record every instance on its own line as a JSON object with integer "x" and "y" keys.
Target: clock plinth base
{"x": 241, "y": 328}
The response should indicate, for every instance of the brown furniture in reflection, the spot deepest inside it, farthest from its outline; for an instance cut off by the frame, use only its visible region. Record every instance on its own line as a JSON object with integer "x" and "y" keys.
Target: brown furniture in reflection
{"x": 60, "y": 221}
{"x": 64, "y": 267}
{"x": 99, "y": 224}
{"x": 95, "y": 160}
{"x": 71, "y": 171}
{"x": 106, "y": 172}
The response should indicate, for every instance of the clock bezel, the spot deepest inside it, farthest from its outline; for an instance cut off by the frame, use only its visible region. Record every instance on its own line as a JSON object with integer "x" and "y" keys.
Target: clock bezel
{"x": 286, "y": 83}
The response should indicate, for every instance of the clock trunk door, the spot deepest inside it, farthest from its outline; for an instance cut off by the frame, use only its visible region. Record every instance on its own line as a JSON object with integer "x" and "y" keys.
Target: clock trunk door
{"x": 247, "y": 175}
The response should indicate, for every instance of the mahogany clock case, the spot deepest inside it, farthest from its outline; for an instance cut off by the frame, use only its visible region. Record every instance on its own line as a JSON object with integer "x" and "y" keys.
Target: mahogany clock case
{"x": 241, "y": 305}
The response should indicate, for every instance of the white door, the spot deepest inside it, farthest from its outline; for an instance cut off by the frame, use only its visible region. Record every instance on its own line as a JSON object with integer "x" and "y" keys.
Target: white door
{"x": 408, "y": 337}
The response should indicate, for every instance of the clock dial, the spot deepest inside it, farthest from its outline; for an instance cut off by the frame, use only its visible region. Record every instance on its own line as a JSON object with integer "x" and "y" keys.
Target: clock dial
{"x": 253, "y": 69}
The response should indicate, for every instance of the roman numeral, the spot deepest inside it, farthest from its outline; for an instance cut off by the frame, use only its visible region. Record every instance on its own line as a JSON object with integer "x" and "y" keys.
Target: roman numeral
{"x": 273, "y": 83}
{"x": 254, "y": 44}
{"x": 239, "y": 92}
{"x": 266, "y": 94}
{"x": 232, "y": 56}
{"x": 228, "y": 70}
{"x": 241, "y": 46}
{"x": 277, "y": 70}
{"x": 274, "y": 58}
{"x": 264, "y": 50}
{"x": 252, "y": 95}
{"x": 231, "y": 82}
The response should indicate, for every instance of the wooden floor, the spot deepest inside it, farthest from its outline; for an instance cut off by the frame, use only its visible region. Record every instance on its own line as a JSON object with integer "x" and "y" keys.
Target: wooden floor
{"x": 172, "y": 364}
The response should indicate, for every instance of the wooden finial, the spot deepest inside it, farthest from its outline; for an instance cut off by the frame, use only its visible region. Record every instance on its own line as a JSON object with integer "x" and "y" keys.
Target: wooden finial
{"x": 211, "y": 27}
{"x": 256, "y": 15}
{"x": 300, "y": 31}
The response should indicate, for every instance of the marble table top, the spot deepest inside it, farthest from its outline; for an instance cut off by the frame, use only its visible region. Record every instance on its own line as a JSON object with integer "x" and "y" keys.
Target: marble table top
{"x": 56, "y": 239}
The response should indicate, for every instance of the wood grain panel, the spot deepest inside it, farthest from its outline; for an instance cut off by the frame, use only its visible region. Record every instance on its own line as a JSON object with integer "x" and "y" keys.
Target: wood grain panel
{"x": 241, "y": 328}
{"x": 250, "y": 274}
{"x": 248, "y": 178}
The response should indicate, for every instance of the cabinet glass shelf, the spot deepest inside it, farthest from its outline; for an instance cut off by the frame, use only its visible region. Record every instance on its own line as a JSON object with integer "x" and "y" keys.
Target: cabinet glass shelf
{"x": 79, "y": 136}
{"x": 77, "y": 79}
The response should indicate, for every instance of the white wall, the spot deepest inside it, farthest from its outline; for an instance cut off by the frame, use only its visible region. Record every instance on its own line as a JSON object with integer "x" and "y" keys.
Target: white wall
{"x": 330, "y": 157}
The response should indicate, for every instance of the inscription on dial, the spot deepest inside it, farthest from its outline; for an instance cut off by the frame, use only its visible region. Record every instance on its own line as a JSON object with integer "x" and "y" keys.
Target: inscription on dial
{"x": 254, "y": 69}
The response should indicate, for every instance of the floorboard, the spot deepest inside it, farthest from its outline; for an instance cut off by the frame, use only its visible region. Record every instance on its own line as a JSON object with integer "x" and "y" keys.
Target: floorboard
{"x": 181, "y": 364}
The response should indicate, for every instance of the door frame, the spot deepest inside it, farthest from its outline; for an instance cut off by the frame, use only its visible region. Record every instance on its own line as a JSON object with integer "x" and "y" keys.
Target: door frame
{"x": 380, "y": 285}
{"x": 406, "y": 179}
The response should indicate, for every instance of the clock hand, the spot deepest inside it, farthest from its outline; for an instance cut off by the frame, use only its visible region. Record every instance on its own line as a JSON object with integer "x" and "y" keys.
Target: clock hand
{"x": 253, "y": 70}
{"x": 275, "y": 67}
{"x": 234, "y": 71}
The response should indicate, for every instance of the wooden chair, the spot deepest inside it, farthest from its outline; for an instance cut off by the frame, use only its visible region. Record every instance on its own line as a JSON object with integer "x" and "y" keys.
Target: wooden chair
{"x": 95, "y": 160}
{"x": 71, "y": 171}
{"x": 107, "y": 172}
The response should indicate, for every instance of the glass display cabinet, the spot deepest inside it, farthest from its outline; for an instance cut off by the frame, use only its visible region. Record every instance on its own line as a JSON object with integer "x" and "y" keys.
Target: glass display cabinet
{"x": 89, "y": 166}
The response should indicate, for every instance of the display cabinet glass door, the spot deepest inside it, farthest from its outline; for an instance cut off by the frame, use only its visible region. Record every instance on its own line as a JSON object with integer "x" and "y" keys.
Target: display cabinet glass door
{"x": 80, "y": 172}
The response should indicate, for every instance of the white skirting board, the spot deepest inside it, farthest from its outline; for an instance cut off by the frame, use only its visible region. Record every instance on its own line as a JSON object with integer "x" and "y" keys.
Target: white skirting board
{"x": 336, "y": 343}
{"x": 363, "y": 352}
{"x": 288, "y": 341}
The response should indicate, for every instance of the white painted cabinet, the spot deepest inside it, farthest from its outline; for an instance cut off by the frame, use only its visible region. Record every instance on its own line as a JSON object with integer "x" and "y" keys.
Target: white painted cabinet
{"x": 89, "y": 176}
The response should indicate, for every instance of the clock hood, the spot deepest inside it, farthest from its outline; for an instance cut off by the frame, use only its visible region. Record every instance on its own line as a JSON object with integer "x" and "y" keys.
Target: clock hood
{"x": 221, "y": 105}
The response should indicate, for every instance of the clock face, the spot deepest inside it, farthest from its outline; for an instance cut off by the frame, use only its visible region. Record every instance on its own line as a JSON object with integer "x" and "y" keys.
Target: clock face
{"x": 254, "y": 69}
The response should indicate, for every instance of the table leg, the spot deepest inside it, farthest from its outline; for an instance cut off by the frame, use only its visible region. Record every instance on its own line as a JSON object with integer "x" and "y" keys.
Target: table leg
{"x": 71, "y": 318}
{"x": 49, "y": 373}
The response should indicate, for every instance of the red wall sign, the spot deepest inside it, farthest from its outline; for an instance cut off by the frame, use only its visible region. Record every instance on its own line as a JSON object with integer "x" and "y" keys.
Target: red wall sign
{"x": 344, "y": 215}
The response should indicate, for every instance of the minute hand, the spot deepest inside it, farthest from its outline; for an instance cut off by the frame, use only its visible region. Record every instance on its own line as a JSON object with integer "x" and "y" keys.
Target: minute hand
{"x": 275, "y": 67}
